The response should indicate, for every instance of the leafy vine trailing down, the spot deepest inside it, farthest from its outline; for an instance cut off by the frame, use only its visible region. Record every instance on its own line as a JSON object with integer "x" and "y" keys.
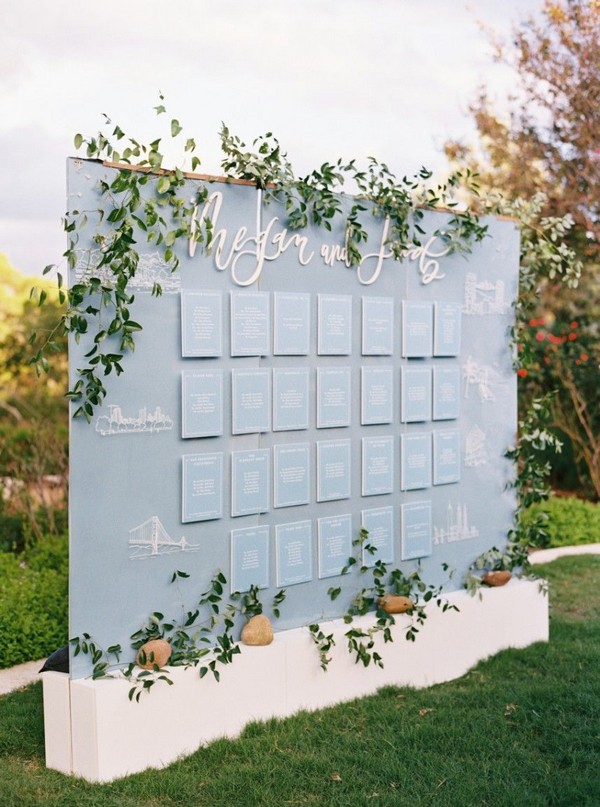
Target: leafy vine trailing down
{"x": 201, "y": 636}
{"x": 384, "y": 581}
{"x": 148, "y": 202}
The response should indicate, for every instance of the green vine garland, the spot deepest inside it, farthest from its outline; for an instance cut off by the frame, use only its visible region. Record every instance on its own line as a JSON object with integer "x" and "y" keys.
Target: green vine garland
{"x": 146, "y": 202}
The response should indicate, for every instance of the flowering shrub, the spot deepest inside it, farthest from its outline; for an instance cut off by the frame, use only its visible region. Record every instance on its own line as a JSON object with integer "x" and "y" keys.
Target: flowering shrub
{"x": 561, "y": 354}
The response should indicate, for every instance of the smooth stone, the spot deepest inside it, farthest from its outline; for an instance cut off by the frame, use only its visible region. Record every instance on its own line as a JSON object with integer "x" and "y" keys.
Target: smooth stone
{"x": 257, "y": 631}
{"x": 499, "y": 578}
{"x": 395, "y": 604}
{"x": 158, "y": 652}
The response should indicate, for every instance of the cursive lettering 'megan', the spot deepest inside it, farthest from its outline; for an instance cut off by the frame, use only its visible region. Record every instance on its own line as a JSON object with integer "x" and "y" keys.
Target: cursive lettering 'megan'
{"x": 244, "y": 251}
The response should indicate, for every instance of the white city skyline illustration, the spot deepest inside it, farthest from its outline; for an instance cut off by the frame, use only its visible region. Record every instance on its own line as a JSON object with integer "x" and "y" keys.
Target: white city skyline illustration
{"x": 146, "y": 421}
{"x": 457, "y": 527}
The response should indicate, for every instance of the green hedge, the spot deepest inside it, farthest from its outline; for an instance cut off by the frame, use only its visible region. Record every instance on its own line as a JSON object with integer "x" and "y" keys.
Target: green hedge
{"x": 571, "y": 521}
{"x": 34, "y": 601}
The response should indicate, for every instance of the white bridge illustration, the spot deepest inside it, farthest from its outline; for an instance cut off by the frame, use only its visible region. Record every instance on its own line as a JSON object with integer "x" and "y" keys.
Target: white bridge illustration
{"x": 457, "y": 526}
{"x": 151, "y": 269}
{"x": 116, "y": 423}
{"x": 151, "y": 539}
{"x": 483, "y": 297}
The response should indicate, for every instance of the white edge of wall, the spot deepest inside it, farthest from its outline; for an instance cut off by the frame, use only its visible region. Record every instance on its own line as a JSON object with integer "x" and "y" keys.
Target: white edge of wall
{"x": 92, "y": 730}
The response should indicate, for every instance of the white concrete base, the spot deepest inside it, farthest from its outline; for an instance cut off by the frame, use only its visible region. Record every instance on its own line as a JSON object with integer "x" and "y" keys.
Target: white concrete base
{"x": 94, "y": 731}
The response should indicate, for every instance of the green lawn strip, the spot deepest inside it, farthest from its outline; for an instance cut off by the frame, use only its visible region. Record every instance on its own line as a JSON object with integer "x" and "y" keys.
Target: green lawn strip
{"x": 522, "y": 728}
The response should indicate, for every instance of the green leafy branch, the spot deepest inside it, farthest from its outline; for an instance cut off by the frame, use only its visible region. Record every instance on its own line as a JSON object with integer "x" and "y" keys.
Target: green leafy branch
{"x": 361, "y": 641}
{"x": 202, "y": 636}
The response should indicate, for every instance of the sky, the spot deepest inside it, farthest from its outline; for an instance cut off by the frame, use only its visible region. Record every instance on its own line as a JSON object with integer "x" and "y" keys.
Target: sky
{"x": 330, "y": 78}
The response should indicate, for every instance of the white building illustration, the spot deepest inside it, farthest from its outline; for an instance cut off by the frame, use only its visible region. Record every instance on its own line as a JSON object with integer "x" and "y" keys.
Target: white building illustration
{"x": 116, "y": 423}
{"x": 151, "y": 539}
{"x": 476, "y": 452}
{"x": 478, "y": 376}
{"x": 484, "y": 297}
{"x": 457, "y": 526}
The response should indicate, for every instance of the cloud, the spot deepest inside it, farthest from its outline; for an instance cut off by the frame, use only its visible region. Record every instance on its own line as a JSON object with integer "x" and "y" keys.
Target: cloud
{"x": 331, "y": 78}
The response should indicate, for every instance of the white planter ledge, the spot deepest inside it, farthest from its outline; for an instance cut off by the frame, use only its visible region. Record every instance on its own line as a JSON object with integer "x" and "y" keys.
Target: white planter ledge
{"x": 94, "y": 731}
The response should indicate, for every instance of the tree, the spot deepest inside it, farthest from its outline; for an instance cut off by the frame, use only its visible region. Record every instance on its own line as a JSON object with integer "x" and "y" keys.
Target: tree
{"x": 548, "y": 148}
{"x": 33, "y": 412}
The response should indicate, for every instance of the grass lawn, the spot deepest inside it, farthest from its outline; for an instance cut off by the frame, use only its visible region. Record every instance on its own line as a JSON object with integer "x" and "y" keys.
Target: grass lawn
{"x": 521, "y": 729}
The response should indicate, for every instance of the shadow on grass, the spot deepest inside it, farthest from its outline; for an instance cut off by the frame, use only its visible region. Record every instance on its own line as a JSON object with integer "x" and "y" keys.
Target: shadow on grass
{"x": 521, "y": 729}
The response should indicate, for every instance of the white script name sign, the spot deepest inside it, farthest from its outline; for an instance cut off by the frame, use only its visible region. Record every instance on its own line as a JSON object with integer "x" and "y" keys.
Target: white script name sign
{"x": 232, "y": 249}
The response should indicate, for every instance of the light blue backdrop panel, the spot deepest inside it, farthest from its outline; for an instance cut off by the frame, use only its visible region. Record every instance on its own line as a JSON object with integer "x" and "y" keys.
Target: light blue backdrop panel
{"x": 130, "y": 486}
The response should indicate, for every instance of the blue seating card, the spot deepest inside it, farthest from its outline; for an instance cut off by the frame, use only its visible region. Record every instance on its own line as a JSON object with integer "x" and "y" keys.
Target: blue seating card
{"x": 333, "y": 470}
{"x": 446, "y": 457}
{"x": 377, "y": 326}
{"x": 447, "y": 329}
{"x": 334, "y": 328}
{"x": 291, "y": 470}
{"x": 250, "y": 401}
{"x": 333, "y": 397}
{"x": 415, "y": 461}
{"x": 250, "y": 482}
{"x": 417, "y": 330}
{"x": 201, "y": 323}
{"x": 291, "y": 328}
{"x": 290, "y": 399}
{"x": 377, "y": 395}
{"x": 335, "y": 544}
{"x": 379, "y": 523}
{"x": 202, "y": 403}
{"x": 415, "y": 394}
{"x": 250, "y": 323}
{"x": 293, "y": 551}
{"x": 446, "y": 393}
{"x": 202, "y": 477}
{"x": 250, "y": 558}
{"x": 377, "y": 465}
{"x": 416, "y": 530}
